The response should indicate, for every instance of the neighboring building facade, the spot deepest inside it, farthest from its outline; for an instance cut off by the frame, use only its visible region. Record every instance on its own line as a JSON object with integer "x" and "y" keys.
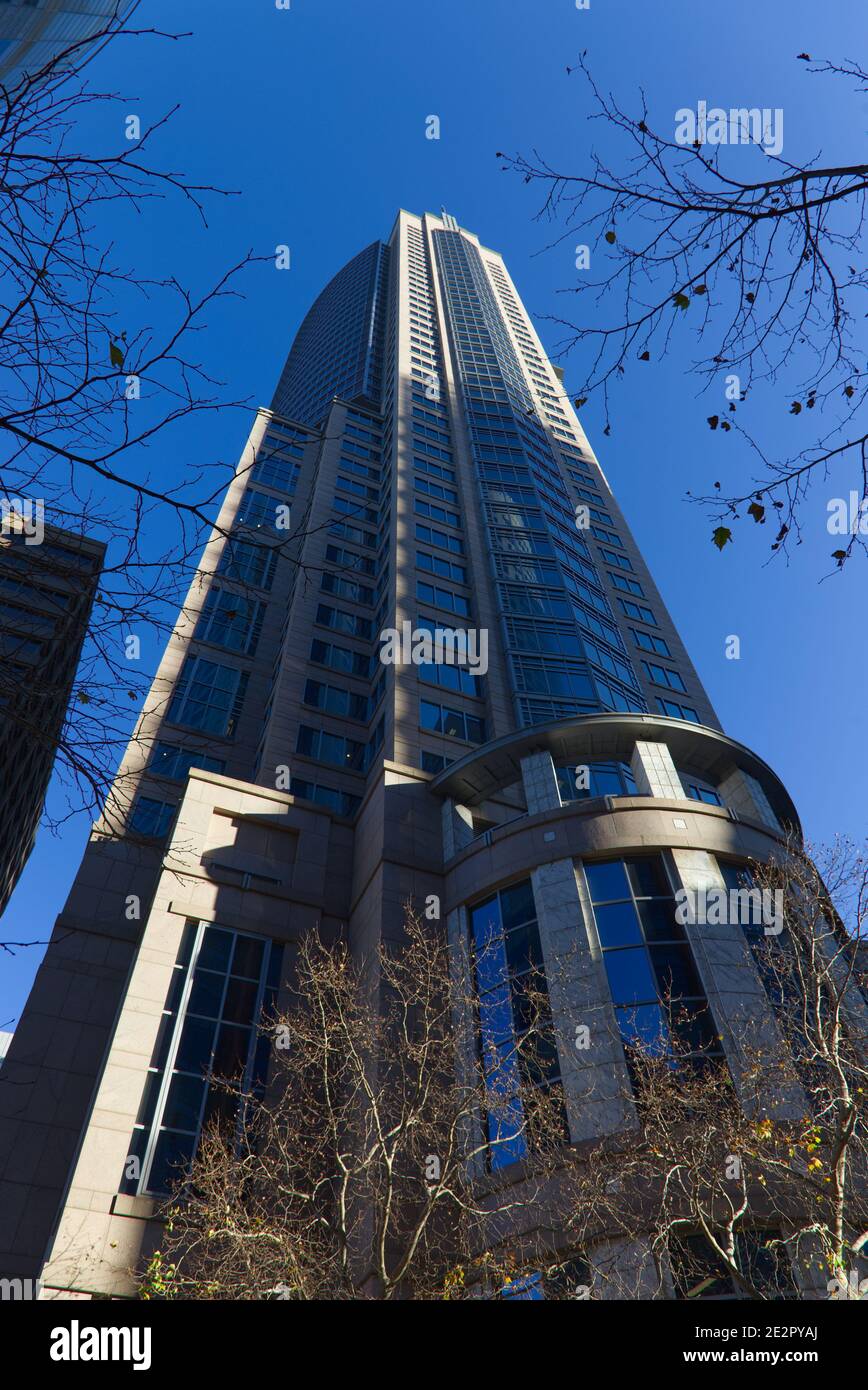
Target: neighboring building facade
{"x": 46, "y": 595}
{"x": 33, "y": 31}
{"x": 282, "y": 778}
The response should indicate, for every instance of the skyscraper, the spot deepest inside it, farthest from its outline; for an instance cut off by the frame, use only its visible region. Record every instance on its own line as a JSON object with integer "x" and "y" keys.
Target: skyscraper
{"x": 422, "y": 658}
{"x": 32, "y": 32}
{"x": 47, "y": 584}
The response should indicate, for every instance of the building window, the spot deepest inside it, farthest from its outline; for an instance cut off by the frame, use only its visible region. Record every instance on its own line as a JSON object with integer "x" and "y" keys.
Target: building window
{"x": 455, "y": 723}
{"x": 335, "y": 700}
{"x": 649, "y": 642}
{"x": 759, "y": 1256}
{"x": 661, "y": 675}
{"x": 342, "y": 803}
{"x": 230, "y": 620}
{"x": 279, "y": 473}
{"x": 677, "y": 711}
{"x": 442, "y": 598}
{"x": 449, "y": 677}
{"x": 167, "y": 760}
{"x": 208, "y": 696}
{"x": 698, "y": 791}
{"x": 248, "y": 563}
{"x": 259, "y": 511}
{"x": 637, "y": 611}
{"x": 605, "y": 779}
{"x": 224, "y": 982}
{"x": 346, "y": 588}
{"x": 330, "y": 748}
{"x": 515, "y": 1031}
{"x": 433, "y": 762}
{"x": 151, "y": 817}
{"x": 653, "y": 980}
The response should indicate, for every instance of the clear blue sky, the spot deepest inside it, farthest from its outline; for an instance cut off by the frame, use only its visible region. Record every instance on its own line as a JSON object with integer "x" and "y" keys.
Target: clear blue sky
{"x": 317, "y": 116}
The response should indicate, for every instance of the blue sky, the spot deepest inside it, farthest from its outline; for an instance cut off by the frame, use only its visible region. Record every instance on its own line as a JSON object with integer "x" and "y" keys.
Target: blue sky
{"x": 316, "y": 115}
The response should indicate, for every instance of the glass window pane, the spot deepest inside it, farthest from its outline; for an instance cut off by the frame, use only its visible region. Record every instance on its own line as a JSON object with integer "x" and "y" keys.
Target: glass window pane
{"x": 643, "y": 1026}
{"x": 676, "y": 972}
{"x": 216, "y": 945}
{"x": 617, "y": 925}
{"x": 206, "y": 994}
{"x": 523, "y": 950}
{"x": 695, "y": 1029}
{"x": 220, "y": 1107}
{"x": 183, "y": 1103}
{"x": 630, "y": 977}
{"x": 517, "y": 904}
{"x": 485, "y": 921}
{"x": 658, "y": 920}
{"x": 230, "y": 1055}
{"x": 607, "y": 881}
{"x": 647, "y": 878}
{"x": 247, "y": 960}
{"x": 172, "y": 1155}
{"x": 194, "y": 1052}
{"x": 605, "y": 783}
{"x": 240, "y": 1001}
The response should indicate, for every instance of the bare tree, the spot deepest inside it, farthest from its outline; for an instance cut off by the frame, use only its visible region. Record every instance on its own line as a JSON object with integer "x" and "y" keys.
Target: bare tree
{"x": 97, "y": 364}
{"x": 366, "y": 1170}
{"x": 768, "y": 275}
{"x": 754, "y": 1179}
{"x": 387, "y": 1159}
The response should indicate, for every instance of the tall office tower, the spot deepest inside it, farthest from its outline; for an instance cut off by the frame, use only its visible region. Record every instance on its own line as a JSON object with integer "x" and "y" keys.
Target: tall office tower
{"x": 32, "y": 32}
{"x": 48, "y": 580}
{"x": 422, "y": 658}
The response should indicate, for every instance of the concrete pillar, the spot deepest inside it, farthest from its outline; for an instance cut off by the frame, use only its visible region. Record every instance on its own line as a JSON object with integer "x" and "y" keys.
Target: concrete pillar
{"x": 596, "y": 1082}
{"x": 743, "y": 794}
{"x": 464, "y": 1028}
{"x": 732, "y": 984}
{"x": 625, "y": 1269}
{"x": 457, "y": 828}
{"x": 540, "y": 783}
{"x": 654, "y": 771}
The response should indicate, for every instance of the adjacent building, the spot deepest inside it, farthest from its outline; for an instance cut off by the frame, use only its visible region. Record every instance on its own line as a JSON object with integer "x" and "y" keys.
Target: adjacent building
{"x": 32, "y": 32}
{"x": 422, "y": 657}
{"x": 47, "y": 587}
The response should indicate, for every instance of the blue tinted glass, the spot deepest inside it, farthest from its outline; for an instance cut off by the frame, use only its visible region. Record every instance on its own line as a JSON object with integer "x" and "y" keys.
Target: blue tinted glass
{"x": 630, "y": 977}
{"x": 523, "y": 950}
{"x": 506, "y": 1140}
{"x": 485, "y": 922}
{"x": 605, "y": 783}
{"x": 607, "y": 881}
{"x": 647, "y": 877}
{"x": 517, "y": 904}
{"x": 643, "y": 1026}
{"x": 617, "y": 925}
{"x": 676, "y": 972}
{"x": 658, "y": 920}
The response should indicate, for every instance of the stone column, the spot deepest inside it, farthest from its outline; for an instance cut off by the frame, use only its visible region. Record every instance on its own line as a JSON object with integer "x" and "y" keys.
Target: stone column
{"x": 464, "y": 1028}
{"x": 735, "y": 992}
{"x": 654, "y": 771}
{"x": 457, "y": 829}
{"x": 540, "y": 783}
{"x": 743, "y": 794}
{"x": 596, "y": 1082}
